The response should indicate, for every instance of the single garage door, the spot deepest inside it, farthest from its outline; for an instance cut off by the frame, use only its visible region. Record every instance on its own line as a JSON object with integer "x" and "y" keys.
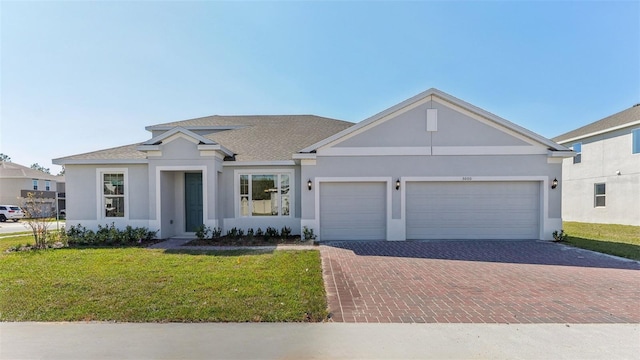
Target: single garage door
{"x": 353, "y": 211}
{"x": 472, "y": 210}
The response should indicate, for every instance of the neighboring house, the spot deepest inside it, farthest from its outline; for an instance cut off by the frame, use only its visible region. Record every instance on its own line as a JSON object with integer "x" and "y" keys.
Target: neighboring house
{"x": 602, "y": 183}
{"x": 431, "y": 167}
{"x": 16, "y": 181}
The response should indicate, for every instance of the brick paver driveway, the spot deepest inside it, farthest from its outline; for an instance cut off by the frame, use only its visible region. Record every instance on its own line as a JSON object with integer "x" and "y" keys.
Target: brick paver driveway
{"x": 478, "y": 281}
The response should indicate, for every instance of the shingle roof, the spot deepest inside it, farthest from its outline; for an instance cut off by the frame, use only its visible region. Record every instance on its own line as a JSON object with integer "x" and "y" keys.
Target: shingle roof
{"x": 13, "y": 170}
{"x": 276, "y": 137}
{"x": 252, "y": 137}
{"x": 622, "y": 118}
{"x": 126, "y": 152}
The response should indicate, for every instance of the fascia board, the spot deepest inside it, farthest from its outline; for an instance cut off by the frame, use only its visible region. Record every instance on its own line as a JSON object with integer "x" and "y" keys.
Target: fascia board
{"x": 595, "y": 133}
{"x": 260, "y": 163}
{"x": 305, "y": 156}
{"x": 98, "y": 161}
{"x": 561, "y": 154}
{"x": 216, "y": 147}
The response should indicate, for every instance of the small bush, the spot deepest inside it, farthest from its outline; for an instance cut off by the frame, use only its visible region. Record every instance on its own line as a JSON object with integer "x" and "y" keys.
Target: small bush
{"x": 308, "y": 234}
{"x": 285, "y": 232}
{"x": 560, "y": 236}
{"x": 270, "y": 233}
{"x": 216, "y": 233}
{"x": 259, "y": 232}
{"x": 202, "y": 232}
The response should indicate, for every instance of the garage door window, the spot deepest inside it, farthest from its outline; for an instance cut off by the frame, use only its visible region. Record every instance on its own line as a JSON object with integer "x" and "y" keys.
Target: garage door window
{"x": 600, "y": 194}
{"x": 264, "y": 194}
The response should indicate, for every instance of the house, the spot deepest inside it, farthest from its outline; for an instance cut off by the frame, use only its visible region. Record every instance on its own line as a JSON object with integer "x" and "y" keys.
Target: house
{"x": 431, "y": 167}
{"x": 16, "y": 181}
{"x": 602, "y": 183}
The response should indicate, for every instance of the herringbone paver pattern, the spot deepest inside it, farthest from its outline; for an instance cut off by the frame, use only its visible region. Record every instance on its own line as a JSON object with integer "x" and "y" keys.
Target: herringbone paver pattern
{"x": 478, "y": 282}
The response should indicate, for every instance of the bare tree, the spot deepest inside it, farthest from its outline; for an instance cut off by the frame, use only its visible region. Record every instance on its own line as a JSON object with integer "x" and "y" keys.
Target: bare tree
{"x": 38, "y": 212}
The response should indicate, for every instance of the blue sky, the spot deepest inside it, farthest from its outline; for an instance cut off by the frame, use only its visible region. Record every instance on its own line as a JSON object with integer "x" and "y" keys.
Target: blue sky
{"x": 84, "y": 76}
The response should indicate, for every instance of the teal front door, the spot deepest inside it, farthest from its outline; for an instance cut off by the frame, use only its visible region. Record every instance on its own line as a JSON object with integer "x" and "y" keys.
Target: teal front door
{"x": 192, "y": 201}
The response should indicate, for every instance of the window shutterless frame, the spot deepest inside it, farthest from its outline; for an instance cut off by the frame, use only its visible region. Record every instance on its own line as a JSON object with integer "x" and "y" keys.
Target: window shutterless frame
{"x": 262, "y": 193}
{"x": 599, "y": 195}
{"x": 113, "y": 193}
{"x": 577, "y": 147}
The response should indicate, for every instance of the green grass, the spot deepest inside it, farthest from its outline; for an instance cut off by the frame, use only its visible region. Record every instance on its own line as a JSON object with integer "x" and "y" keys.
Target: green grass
{"x": 144, "y": 285}
{"x": 618, "y": 240}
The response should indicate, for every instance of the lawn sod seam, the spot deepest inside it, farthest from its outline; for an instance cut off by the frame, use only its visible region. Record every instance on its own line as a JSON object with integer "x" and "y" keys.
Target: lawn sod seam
{"x": 144, "y": 285}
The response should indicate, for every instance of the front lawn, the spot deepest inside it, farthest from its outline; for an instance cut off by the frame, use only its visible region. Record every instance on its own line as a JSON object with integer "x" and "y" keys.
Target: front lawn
{"x": 144, "y": 285}
{"x": 618, "y": 240}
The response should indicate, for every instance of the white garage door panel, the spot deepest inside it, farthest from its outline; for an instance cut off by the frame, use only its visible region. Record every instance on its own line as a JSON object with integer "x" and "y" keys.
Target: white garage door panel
{"x": 352, "y": 211}
{"x": 478, "y": 210}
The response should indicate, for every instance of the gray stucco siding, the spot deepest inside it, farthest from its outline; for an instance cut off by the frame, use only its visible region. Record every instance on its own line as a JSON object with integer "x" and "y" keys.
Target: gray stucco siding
{"x": 83, "y": 193}
{"x": 454, "y": 168}
{"x": 606, "y": 158}
{"x": 454, "y": 129}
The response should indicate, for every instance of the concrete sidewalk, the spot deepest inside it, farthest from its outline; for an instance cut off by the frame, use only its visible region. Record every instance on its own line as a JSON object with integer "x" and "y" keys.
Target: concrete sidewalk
{"x": 317, "y": 341}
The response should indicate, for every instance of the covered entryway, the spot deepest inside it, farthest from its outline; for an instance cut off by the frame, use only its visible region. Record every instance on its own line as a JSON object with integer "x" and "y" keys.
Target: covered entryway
{"x": 353, "y": 211}
{"x": 473, "y": 210}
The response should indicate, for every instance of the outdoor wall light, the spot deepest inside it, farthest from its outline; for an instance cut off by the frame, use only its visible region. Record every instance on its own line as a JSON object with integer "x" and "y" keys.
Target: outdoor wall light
{"x": 398, "y": 184}
{"x": 309, "y": 183}
{"x": 554, "y": 183}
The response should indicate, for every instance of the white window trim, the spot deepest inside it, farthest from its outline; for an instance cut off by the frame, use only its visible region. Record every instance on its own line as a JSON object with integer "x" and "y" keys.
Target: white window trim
{"x": 577, "y": 153}
{"x": 596, "y": 195}
{"x": 100, "y": 193}
{"x": 47, "y": 185}
{"x": 236, "y": 190}
{"x": 633, "y": 133}
{"x": 34, "y": 184}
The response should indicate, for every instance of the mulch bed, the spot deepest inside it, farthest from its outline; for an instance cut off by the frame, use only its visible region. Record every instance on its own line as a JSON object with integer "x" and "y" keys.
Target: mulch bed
{"x": 246, "y": 241}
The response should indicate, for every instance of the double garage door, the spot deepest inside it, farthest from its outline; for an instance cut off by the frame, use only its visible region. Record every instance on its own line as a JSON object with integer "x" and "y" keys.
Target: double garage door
{"x": 434, "y": 210}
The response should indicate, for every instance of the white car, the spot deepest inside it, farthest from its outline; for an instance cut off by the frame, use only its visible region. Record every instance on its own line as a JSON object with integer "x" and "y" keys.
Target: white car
{"x": 11, "y": 212}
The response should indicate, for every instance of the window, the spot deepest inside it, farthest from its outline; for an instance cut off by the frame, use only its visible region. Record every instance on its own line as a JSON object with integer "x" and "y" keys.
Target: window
{"x": 47, "y": 185}
{"x": 636, "y": 141}
{"x": 264, "y": 194}
{"x": 113, "y": 194}
{"x": 35, "y": 184}
{"x": 600, "y": 193}
{"x": 577, "y": 147}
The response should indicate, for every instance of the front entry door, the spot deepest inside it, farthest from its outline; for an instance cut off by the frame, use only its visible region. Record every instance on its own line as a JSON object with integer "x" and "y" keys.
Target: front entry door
{"x": 193, "y": 201}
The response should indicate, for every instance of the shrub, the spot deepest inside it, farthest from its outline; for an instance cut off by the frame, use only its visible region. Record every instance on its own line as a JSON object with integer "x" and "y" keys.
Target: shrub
{"x": 107, "y": 235}
{"x": 202, "y": 232}
{"x": 285, "y": 232}
{"x": 270, "y": 233}
{"x": 250, "y": 233}
{"x": 308, "y": 234}
{"x": 560, "y": 236}
{"x": 216, "y": 232}
{"x": 259, "y": 232}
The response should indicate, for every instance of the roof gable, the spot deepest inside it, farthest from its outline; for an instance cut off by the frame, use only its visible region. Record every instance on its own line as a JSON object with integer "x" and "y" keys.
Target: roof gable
{"x": 434, "y": 98}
